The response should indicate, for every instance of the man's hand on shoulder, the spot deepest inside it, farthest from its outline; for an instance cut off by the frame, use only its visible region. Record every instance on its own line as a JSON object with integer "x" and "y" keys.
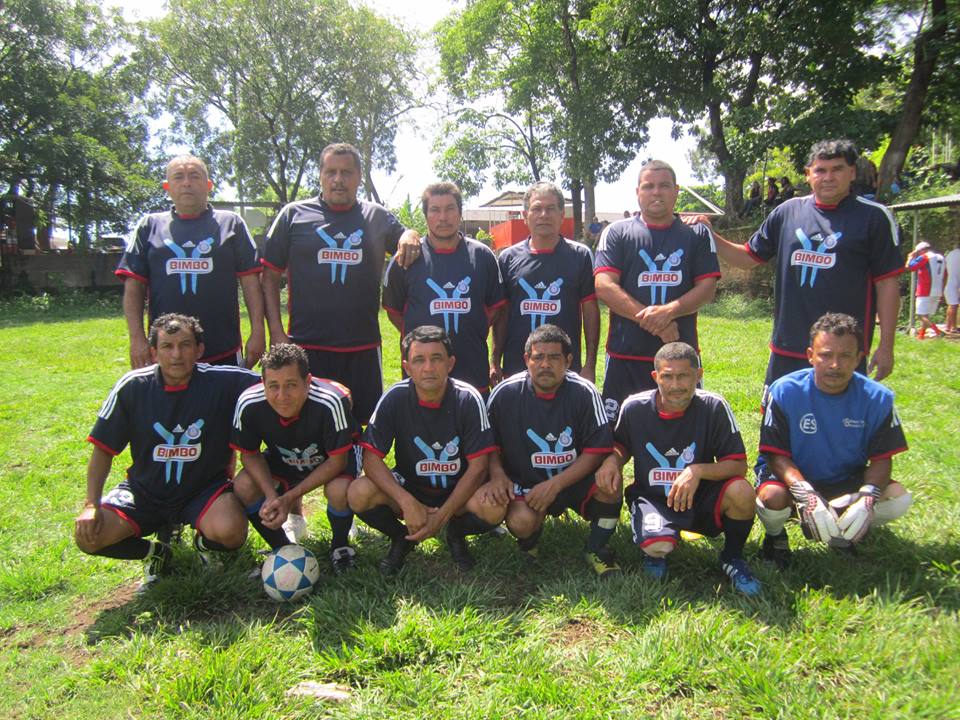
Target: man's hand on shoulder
{"x": 408, "y": 248}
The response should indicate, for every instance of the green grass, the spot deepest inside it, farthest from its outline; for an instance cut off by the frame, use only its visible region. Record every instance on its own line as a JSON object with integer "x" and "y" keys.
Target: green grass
{"x": 874, "y": 637}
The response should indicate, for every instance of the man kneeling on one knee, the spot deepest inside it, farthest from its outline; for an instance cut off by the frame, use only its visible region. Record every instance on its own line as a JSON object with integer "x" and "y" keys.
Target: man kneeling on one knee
{"x": 828, "y": 436}
{"x": 688, "y": 464}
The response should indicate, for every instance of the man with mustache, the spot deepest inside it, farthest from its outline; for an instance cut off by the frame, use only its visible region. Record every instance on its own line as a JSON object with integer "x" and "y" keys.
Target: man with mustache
{"x": 689, "y": 464}
{"x": 552, "y": 434}
{"x": 828, "y": 435}
{"x": 455, "y": 285}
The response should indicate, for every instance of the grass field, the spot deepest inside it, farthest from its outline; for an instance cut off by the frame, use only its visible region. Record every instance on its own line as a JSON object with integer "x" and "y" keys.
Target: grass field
{"x": 872, "y": 637}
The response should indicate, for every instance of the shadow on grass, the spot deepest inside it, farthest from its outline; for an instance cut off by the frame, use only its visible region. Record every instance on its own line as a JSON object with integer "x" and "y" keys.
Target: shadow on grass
{"x": 505, "y": 590}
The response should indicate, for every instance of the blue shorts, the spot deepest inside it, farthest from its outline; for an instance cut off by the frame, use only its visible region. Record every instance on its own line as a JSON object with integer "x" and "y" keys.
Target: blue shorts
{"x": 146, "y": 516}
{"x": 652, "y": 521}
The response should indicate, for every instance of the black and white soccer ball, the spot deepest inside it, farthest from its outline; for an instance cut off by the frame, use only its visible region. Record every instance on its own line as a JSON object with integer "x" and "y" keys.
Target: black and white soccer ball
{"x": 289, "y": 573}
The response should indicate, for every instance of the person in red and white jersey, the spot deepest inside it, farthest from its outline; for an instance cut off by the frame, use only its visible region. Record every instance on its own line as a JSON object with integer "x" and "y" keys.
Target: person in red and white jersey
{"x": 929, "y": 266}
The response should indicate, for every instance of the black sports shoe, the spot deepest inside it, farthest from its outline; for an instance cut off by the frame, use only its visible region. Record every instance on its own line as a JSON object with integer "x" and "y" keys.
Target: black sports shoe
{"x": 460, "y": 551}
{"x": 156, "y": 566}
{"x": 776, "y": 549}
{"x": 400, "y": 547}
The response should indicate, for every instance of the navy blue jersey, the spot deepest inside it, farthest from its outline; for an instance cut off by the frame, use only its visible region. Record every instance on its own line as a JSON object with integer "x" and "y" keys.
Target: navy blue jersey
{"x": 544, "y": 287}
{"x": 540, "y": 435}
{"x": 828, "y": 259}
{"x": 295, "y": 447}
{"x": 179, "y": 436}
{"x": 830, "y": 437}
{"x": 431, "y": 443}
{"x": 663, "y": 444}
{"x": 334, "y": 262}
{"x": 454, "y": 290}
{"x": 656, "y": 265}
{"x": 191, "y": 265}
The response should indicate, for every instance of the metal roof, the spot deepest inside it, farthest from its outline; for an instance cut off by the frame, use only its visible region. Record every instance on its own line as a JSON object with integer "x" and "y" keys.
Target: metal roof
{"x": 929, "y": 203}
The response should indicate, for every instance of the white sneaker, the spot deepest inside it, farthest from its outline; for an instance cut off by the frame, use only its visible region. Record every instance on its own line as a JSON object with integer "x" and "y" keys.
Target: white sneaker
{"x": 295, "y": 527}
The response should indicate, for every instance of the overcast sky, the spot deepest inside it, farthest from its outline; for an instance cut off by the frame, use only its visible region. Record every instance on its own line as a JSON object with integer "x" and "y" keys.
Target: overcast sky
{"x": 414, "y": 141}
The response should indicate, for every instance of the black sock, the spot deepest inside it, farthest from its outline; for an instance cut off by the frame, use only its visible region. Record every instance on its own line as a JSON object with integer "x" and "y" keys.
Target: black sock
{"x": 340, "y": 522}
{"x": 131, "y": 548}
{"x": 469, "y": 524}
{"x": 203, "y": 544}
{"x": 275, "y": 538}
{"x": 382, "y": 518}
{"x": 604, "y": 518}
{"x": 529, "y": 543}
{"x": 735, "y": 534}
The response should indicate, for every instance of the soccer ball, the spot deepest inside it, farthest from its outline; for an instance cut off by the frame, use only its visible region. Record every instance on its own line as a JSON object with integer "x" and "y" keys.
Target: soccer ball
{"x": 289, "y": 573}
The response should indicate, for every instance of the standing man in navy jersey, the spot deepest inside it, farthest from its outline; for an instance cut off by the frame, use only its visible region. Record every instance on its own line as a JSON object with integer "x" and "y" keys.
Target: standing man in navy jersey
{"x": 176, "y": 417}
{"x": 441, "y": 438}
{"x": 547, "y": 279}
{"x": 654, "y": 272}
{"x": 308, "y": 431}
{"x": 836, "y": 252}
{"x": 455, "y": 284}
{"x": 689, "y": 464}
{"x": 189, "y": 259}
{"x": 552, "y": 433}
{"x": 332, "y": 249}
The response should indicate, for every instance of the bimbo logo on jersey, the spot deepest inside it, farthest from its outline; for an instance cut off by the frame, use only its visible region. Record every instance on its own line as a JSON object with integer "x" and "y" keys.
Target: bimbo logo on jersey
{"x": 180, "y": 446}
{"x": 440, "y": 461}
{"x": 451, "y": 302}
{"x": 341, "y": 252}
{"x": 189, "y": 266}
{"x": 813, "y": 255}
{"x": 666, "y": 473}
{"x": 540, "y": 302}
{"x": 555, "y": 453}
{"x": 306, "y": 459}
{"x": 660, "y": 276}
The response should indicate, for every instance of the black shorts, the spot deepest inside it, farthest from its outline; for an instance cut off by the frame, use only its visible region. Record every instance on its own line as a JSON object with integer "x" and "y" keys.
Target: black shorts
{"x": 146, "y": 516}
{"x": 622, "y": 378}
{"x": 234, "y": 359}
{"x": 361, "y": 371}
{"x": 576, "y": 497}
{"x": 652, "y": 521}
{"x": 424, "y": 494}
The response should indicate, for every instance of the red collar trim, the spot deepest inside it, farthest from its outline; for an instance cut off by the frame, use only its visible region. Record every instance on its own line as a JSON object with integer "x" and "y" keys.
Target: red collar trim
{"x": 669, "y": 416}
{"x": 424, "y": 403}
{"x": 544, "y": 251}
{"x": 823, "y": 206}
{"x": 654, "y": 226}
{"x": 175, "y": 388}
{"x": 444, "y": 251}
{"x": 340, "y": 208}
{"x": 545, "y": 396}
{"x": 287, "y": 422}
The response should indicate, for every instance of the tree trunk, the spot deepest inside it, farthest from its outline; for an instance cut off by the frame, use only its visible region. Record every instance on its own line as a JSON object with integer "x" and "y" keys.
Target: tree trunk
{"x": 576, "y": 196}
{"x": 925, "y": 52}
{"x": 589, "y": 201}
{"x": 733, "y": 190}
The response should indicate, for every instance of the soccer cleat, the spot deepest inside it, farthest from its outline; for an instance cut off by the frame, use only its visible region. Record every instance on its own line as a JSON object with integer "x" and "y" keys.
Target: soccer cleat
{"x": 155, "y": 566}
{"x": 690, "y": 536}
{"x": 655, "y": 568}
{"x": 295, "y": 527}
{"x": 209, "y": 559}
{"x": 460, "y": 551}
{"x": 602, "y": 562}
{"x": 341, "y": 559}
{"x": 741, "y": 579}
{"x": 400, "y": 547}
{"x": 776, "y": 549}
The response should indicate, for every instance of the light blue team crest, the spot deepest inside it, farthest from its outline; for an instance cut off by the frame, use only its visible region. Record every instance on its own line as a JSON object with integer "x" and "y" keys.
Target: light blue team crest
{"x": 440, "y": 462}
{"x": 541, "y": 301}
{"x": 666, "y": 472}
{"x": 341, "y": 252}
{"x": 815, "y": 253}
{"x": 190, "y": 266}
{"x": 554, "y": 452}
{"x": 180, "y": 445}
{"x": 660, "y": 274}
{"x": 452, "y": 301}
